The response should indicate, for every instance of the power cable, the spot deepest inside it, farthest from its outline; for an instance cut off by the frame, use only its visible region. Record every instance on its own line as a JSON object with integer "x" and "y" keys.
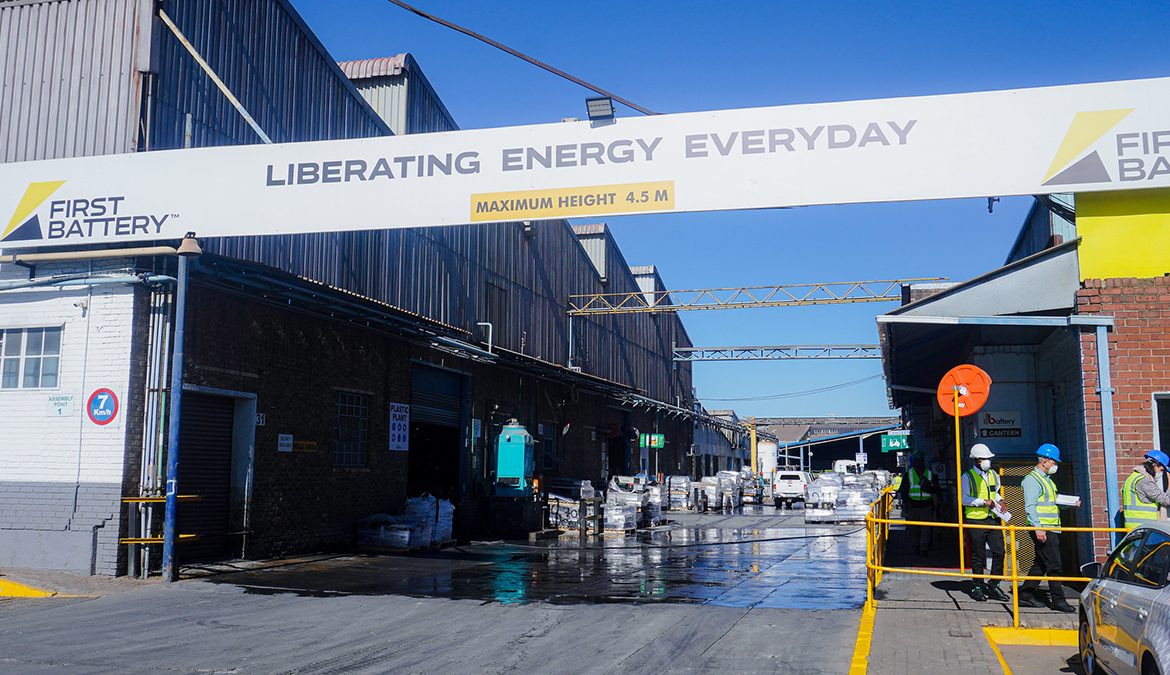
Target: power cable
{"x": 794, "y": 394}
{"x": 520, "y": 55}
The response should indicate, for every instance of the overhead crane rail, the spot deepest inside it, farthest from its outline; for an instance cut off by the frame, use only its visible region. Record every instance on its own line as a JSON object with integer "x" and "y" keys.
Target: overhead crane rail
{"x": 777, "y": 353}
{"x": 785, "y": 295}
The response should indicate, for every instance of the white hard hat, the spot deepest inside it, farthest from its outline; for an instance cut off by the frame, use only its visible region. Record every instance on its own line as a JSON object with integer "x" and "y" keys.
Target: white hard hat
{"x": 981, "y": 451}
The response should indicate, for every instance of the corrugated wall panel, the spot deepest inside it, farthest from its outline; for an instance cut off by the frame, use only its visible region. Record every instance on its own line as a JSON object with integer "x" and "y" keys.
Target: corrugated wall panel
{"x": 68, "y": 86}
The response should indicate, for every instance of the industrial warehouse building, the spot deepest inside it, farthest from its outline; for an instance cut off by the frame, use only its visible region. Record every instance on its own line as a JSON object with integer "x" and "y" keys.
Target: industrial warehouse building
{"x": 1077, "y": 284}
{"x": 298, "y": 348}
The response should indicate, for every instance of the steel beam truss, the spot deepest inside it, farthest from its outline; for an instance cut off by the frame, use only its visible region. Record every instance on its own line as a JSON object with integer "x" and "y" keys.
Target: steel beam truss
{"x": 777, "y": 352}
{"x": 787, "y": 295}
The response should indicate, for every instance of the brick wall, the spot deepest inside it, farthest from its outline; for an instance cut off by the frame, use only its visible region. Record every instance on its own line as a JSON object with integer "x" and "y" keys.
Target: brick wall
{"x": 1139, "y": 347}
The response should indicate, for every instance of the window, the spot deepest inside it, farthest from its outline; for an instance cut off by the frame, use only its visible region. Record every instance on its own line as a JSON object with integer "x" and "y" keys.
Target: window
{"x": 31, "y": 358}
{"x": 1153, "y": 561}
{"x": 1120, "y": 565}
{"x": 353, "y": 413}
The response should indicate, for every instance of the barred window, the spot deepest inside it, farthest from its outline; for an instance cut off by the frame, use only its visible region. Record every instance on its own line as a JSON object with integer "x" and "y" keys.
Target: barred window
{"x": 353, "y": 413}
{"x": 30, "y": 358}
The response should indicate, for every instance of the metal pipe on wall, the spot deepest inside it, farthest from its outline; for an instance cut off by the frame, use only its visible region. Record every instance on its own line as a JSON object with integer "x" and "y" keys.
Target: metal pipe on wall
{"x": 169, "y": 569}
{"x": 1109, "y": 446}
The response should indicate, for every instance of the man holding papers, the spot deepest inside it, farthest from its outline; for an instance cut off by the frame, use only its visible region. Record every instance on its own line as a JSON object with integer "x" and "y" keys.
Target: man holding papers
{"x": 983, "y": 505}
{"x": 1040, "y": 501}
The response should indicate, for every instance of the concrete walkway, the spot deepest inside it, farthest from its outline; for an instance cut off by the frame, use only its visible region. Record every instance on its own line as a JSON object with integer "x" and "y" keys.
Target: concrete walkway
{"x": 930, "y": 625}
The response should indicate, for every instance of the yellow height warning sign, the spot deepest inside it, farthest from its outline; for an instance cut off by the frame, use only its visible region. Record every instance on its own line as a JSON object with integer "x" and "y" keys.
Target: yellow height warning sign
{"x": 572, "y": 201}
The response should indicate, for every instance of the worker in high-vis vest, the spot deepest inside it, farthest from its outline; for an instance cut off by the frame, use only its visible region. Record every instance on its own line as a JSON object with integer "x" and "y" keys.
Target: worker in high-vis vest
{"x": 1043, "y": 512}
{"x": 981, "y": 498}
{"x": 917, "y": 492}
{"x": 1142, "y": 496}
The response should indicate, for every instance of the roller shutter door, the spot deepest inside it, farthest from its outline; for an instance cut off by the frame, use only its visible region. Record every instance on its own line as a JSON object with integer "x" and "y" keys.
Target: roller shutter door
{"x": 205, "y": 460}
{"x": 435, "y": 396}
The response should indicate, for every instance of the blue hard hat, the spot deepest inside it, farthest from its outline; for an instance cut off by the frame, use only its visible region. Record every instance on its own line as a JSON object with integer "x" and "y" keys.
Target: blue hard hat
{"x": 1159, "y": 457}
{"x": 1050, "y": 451}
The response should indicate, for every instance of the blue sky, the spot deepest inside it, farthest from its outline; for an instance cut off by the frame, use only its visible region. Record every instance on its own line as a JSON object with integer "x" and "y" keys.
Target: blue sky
{"x": 686, "y": 56}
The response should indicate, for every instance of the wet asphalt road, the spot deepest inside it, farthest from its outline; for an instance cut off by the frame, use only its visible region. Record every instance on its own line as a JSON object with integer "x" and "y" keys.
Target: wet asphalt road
{"x": 751, "y": 592}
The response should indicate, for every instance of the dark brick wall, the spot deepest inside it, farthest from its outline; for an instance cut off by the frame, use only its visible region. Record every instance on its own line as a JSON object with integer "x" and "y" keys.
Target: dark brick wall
{"x": 1139, "y": 348}
{"x": 295, "y": 365}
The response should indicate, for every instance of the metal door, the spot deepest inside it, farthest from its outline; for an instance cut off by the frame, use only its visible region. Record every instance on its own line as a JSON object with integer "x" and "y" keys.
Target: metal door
{"x": 436, "y": 396}
{"x": 205, "y": 460}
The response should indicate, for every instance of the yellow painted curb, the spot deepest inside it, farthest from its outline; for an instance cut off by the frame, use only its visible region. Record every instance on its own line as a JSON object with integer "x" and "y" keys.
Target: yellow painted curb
{"x": 860, "y": 663}
{"x": 1032, "y": 637}
{"x": 11, "y": 589}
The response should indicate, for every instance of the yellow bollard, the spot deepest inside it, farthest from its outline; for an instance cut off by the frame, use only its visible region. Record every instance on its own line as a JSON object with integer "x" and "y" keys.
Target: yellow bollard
{"x": 1015, "y": 574}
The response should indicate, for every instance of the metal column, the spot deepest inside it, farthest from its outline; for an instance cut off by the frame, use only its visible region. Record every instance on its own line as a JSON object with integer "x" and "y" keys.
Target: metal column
{"x": 168, "y": 560}
{"x": 1105, "y": 391}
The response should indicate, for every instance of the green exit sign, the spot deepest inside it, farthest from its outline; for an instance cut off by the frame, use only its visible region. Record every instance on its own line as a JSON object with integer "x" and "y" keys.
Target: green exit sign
{"x": 895, "y": 442}
{"x": 652, "y": 441}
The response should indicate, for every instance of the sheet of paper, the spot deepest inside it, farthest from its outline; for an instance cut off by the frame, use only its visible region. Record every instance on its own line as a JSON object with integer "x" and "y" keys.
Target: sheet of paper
{"x": 1002, "y": 514}
{"x": 1067, "y": 500}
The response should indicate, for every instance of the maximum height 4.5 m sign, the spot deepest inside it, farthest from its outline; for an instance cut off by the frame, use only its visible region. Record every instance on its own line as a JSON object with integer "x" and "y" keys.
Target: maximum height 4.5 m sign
{"x": 1078, "y": 138}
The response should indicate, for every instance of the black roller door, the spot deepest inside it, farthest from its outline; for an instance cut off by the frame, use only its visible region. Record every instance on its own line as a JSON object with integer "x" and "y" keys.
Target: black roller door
{"x": 436, "y": 396}
{"x": 205, "y": 460}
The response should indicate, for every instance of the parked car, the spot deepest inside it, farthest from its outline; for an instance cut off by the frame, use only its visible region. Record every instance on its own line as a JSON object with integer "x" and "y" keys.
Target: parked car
{"x": 1125, "y": 609}
{"x": 789, "y": 487}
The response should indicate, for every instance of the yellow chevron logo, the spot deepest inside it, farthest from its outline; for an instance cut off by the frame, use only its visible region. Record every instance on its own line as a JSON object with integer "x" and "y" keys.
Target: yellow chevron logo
{"x": 1085, "y": 130}
{"x": 34, "y": 196}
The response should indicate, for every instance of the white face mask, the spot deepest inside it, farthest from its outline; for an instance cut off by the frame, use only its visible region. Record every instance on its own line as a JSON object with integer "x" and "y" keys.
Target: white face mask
{"x": 985, "y": 464}
{"x": 1052, "y": 469}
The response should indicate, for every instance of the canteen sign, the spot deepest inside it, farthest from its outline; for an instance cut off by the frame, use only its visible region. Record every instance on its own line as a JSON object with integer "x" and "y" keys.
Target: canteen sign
{"x": 1077, "y": 138}
{"x": 999, "y": 424}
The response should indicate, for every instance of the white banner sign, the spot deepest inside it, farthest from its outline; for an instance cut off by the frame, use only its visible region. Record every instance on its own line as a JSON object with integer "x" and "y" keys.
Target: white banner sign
{"x": 1107, "y": 136}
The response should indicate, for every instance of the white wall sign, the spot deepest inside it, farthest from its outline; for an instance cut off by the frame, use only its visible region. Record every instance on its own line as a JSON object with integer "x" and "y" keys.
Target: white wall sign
{"x": 999, "y": 424}
{"x": 399, "y": 427}
{"x": 61, "y": 405}
{"x": 284, "y": 443}
{"x": 1077, "y": 138}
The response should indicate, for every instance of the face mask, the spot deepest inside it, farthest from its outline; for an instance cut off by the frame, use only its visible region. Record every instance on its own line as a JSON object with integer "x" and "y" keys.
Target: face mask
{"x": 1052, "y": 469}
{"x": 985, "y": 464}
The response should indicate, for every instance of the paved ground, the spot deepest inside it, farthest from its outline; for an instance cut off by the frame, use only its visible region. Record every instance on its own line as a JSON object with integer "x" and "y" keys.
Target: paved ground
{"x": 693, "y": 597}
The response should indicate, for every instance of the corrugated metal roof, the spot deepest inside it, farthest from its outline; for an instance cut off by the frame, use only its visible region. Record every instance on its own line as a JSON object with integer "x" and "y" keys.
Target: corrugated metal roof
{"x": 384, "y": 66}
{"x": 589, "y": 229}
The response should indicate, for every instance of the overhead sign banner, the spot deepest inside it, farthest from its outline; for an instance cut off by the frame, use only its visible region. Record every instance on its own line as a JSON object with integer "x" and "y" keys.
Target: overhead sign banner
{"x": 1078, "y": 138}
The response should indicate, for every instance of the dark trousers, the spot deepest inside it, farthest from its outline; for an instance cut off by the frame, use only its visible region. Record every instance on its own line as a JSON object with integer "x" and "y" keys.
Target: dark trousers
{"x": 1047, "y": 562}
{"x": 986, "y": 539}
{"x": 921, "y": 537}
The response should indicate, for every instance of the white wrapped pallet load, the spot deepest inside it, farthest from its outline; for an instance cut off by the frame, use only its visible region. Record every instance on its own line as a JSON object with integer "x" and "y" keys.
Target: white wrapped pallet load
{"x": 679, "y": 490}
{"x": 621, "y": 517}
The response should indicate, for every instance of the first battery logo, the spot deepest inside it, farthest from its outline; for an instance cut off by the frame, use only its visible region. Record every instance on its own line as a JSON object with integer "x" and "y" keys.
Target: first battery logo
{"x": 25, "y": 224}
{"x": 1139, "y": 155}
{"x": 77, "y": 218}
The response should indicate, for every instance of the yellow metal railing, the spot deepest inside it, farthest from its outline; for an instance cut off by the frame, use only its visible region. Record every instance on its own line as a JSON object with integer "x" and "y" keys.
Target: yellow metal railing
{"x": 877, "y": 533}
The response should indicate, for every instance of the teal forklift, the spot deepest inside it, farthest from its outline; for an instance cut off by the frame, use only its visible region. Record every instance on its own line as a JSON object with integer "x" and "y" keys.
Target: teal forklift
{"x": 515, "y": 507}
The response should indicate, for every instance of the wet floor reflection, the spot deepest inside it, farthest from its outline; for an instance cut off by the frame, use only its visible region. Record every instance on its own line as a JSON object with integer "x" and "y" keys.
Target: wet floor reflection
{"x": 783, "y": 567}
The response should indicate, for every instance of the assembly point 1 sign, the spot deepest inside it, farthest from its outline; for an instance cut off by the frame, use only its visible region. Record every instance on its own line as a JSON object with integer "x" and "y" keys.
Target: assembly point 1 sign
{"x": 1077, "y": 138}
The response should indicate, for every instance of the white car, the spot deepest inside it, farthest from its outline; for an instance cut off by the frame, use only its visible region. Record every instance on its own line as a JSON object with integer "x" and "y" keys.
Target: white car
{"x": 1125, "y": 610}
{"x": 789, "y": 487}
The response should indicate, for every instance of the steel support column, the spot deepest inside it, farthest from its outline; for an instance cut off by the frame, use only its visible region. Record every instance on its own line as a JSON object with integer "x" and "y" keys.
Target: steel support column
{"x": 1109, "y": 445}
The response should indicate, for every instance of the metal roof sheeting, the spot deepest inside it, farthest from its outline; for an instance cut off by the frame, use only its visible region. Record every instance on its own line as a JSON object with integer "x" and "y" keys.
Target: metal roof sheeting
{"x": 385, "y": 66}
{"x": 396, "y": 88}
{"x": 68, "y": 83}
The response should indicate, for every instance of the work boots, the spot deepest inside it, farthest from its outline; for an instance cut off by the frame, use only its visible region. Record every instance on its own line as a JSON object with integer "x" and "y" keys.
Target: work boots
{"x": 1061, "y": 605}
{"x": 977, "y": 594}
{"x": 994, "y": 593}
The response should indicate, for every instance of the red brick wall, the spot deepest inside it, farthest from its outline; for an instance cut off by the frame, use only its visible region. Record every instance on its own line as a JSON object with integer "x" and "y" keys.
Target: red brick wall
{"x": 1139, "y": 347}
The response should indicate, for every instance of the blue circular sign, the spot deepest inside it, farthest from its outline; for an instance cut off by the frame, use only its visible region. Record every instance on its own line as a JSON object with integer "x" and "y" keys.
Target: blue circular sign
{"x": 102, "y": 407}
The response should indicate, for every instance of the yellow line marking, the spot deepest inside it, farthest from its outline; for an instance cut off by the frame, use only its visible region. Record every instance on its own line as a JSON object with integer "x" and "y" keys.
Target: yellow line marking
{"x": 11, "y": 589}
{"x": 1032, "y": 637}
{"x": 860, "y": 663}
{"x": 995, "y": 648}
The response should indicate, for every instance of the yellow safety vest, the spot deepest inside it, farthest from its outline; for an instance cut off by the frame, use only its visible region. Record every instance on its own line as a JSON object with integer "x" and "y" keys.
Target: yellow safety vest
{"x": 980, "y": 489}
{"x": 916, "y": 491}
{"x": 1046, "y": 507}
{"x": 1133, "y": 508}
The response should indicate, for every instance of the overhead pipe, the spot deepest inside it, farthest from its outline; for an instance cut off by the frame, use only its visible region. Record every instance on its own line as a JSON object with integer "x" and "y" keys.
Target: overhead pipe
{"x": 17, "y": 258}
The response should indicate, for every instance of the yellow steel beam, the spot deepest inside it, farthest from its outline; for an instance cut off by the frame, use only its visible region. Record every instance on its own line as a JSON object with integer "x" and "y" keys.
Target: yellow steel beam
{"x": 159, "y": 500}
{"x": 786, "y": 295}
{"x": 155, "y": 540}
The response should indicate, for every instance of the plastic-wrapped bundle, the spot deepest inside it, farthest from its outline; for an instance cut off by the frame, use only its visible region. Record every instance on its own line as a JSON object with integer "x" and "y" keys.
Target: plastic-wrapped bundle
{"x": 651, "y": 514}
{"x": 655, "y": 494}
{"x": 619, "y": 517}
{"x": 854, "y": 504}
{"x": 564, "y": 513}
{"x": 381, "y": 529}
{"x": 571, "y": 488}
{"x": 679, "y": 490}
{"x": 445, "y": 521}
{"x": 613, "y": 496}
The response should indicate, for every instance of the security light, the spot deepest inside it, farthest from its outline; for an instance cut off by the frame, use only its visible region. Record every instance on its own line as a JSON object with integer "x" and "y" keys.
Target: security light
{"x": 599, "y": 108}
